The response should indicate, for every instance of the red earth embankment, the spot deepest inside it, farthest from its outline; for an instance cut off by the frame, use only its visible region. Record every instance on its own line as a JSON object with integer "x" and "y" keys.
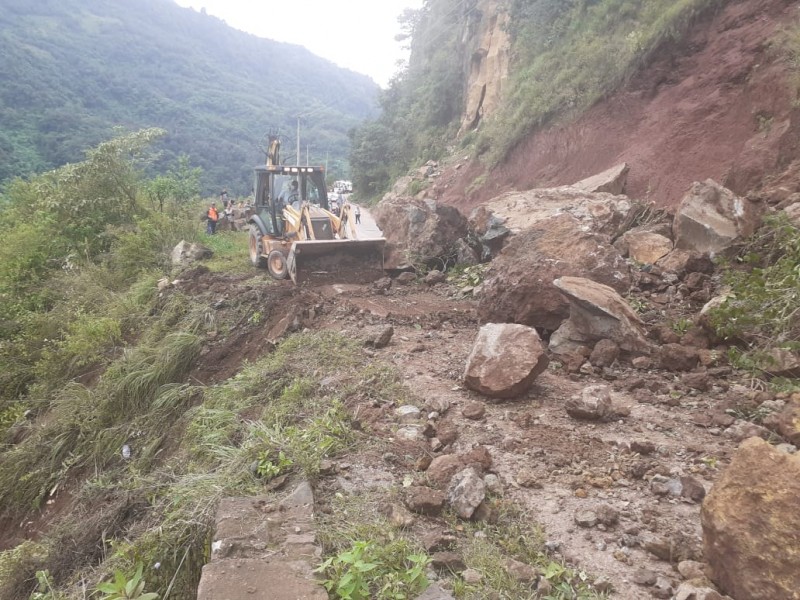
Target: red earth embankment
{"x": 717, "y": 104}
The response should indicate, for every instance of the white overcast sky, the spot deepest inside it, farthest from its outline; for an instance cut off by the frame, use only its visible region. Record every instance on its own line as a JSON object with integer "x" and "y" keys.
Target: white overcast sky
{"x": 355, "y": 34}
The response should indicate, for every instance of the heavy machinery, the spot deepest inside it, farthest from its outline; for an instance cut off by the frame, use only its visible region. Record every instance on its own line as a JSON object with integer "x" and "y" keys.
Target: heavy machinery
{"x": 293, "y": 232}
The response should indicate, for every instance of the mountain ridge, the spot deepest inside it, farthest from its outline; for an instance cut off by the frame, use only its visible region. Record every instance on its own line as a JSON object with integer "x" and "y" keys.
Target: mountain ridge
{"x": 77, "y": 70}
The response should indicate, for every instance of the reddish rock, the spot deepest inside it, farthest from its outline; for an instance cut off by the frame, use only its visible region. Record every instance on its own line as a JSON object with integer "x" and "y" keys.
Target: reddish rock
{"x": 675, "y": 357}
{"x": 474, "y": 411}
{"x": 697, "y": 381}
{"x": 604, "y": 354}
{"x": 696, "y": 337}
{"x": 447, "y": 434}
{"x": 505, "y": 360}
{"x": 449, "y": 561}
{"x": 682, "y": 262}
{"x": 443, "y": 468}
{"x": 479, "y": 457}
{"x": 519, "y": 286}
{"x": 425, "y": 501}
{"x": 751, "y": 523}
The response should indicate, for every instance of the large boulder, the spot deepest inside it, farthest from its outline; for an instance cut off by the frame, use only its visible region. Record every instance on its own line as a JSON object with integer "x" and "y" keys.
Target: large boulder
{"x": 611, "y": 181}
{"x": 751, "y": 524}
{"x": 597, "y": 212}
{"x": 597, "y": 313}
{"x": 519, "y": 285}
{"x": 418, "y": 231}
{"x": 185, "y": 253}
{"x": 490, "y": 230}
{"x": 712, "y": 218}
{"x": 505, "y": 360}
{"x": 643, "y": 246}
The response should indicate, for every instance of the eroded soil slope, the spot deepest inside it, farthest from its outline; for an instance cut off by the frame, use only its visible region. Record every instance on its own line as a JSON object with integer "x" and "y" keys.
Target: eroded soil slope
{"x": 718, "y": 105}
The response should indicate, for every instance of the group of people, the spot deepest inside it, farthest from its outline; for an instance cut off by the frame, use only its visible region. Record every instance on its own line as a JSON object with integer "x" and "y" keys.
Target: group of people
{"x": 213, "y": 214}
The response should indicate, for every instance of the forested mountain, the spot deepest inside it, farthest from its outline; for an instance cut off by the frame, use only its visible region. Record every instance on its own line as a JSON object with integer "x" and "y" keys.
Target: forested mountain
{"x": 73, "y": 70}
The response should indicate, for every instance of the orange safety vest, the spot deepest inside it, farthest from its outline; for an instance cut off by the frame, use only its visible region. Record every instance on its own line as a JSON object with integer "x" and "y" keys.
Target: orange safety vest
{"x": 213, "y": 214}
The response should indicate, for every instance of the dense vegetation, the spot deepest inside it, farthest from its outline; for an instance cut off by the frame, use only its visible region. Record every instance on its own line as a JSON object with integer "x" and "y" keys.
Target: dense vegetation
{"x": 74, "y": 70}
{"x": 95, "y": 358}
{"x": 566, "y": 55}
{"x": 421, "y": 108}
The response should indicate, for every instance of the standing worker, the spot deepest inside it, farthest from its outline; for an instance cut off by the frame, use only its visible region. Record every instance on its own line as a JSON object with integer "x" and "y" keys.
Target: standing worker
{"x": 223, "y": 198}
{"x": 358, "y": 215}
{"x": 213, "y": 216}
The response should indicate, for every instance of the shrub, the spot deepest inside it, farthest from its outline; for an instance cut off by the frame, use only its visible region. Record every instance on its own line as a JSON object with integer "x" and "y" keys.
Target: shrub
{"x": 762, "y": 309}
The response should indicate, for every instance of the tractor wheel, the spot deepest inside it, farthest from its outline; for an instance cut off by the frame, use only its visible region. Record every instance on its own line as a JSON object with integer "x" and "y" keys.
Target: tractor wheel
{"x": 276, "y": 265}
{"x": 255, "y": 248}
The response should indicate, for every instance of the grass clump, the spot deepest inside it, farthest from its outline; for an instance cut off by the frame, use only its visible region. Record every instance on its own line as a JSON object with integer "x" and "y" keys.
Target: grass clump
{"x": 366, "y": 570}
{"x": 365, "y": 556}
{"x": 761, "y": 312}
{"x": 487, "y": 548}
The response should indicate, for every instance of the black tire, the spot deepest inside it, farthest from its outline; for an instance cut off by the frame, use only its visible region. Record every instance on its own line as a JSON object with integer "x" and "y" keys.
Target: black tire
{"x": 276, "y": 265}
{"x": 255, "y": 248}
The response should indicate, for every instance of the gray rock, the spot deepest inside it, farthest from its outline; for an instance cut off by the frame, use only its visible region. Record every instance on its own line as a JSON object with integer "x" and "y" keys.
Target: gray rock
{"x": 611, "y": 181}
{"x": 689, "y": 591}
{"x": 466, "y": 492}
{"x": 407, "y": 413}
{"x": 711, "y": 218}
{"x": 435, "y": 592}
{"x": 185, "y": 253}
{"x": 644, "y": 577}
{"x": 597, "y": 312}
{"x": 592, "y": 404}
{"x": 691, "y": 569}
{"x": 662, "y": 588}
{"x": 586, "y": 518}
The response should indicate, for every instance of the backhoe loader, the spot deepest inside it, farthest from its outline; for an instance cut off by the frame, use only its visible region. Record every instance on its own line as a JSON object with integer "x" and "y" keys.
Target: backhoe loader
{"x": 293, "y": 232}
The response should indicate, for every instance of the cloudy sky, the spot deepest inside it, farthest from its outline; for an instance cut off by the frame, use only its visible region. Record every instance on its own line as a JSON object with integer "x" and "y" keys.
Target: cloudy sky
{"x": 356, "y": 34}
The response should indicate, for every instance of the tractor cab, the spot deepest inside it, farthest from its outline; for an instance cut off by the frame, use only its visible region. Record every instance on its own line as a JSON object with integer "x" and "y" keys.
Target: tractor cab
{"x": 277, "y": 187}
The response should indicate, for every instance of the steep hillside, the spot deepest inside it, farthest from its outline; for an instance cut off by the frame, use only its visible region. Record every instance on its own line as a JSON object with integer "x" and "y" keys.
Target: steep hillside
{"x": 74, "y": 70}
{"x": 719, "y": 103}
{"x": 550, "y": 92}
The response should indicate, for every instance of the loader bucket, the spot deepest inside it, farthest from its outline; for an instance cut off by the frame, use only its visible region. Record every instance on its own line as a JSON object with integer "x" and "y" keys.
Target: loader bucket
{"x": 336, "y": 261}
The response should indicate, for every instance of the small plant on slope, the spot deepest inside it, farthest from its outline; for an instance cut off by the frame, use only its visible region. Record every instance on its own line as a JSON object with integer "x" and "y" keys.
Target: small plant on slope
{"x": 123, "y": 588}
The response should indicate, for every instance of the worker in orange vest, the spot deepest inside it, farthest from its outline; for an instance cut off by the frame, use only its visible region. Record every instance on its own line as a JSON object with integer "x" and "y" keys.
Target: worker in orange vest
{"x": 213, "y": 216}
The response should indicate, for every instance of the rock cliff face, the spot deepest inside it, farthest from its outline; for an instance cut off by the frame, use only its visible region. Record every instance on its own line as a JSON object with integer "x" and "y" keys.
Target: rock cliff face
{"x": 487, "y": 54}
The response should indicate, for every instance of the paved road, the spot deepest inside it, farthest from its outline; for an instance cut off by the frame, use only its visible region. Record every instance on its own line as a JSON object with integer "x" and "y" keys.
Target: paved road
{"x": 368, "y": 229}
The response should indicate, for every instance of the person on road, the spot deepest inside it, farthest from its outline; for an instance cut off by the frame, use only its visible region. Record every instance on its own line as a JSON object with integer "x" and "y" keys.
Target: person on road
{"x": 358, "y": 215}
{"x": 212, "y": 216}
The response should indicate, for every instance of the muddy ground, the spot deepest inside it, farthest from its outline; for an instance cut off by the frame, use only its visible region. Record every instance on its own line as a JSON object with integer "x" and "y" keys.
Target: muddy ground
{"x": 549, "y": 463}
